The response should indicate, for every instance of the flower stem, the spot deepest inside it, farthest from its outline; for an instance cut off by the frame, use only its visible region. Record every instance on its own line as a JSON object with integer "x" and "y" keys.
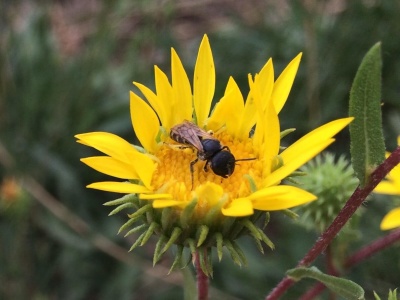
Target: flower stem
{"x": 372, "y": 248}
{"x": 356, "y": 258}
{"x": 358, "y": 197}
{"x": 202, "y": 279}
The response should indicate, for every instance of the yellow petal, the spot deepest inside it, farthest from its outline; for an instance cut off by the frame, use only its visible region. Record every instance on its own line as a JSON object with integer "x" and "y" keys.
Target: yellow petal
{"x": 209, "y": 195}
{"x": 145, "y": 122}
{"x": 280, "y": 197}
{"x": 391, "y": 220}
{"x": 259, "y": 131}
{"x": 111, "y": 166}
{"x": 203, "y": 82}
{"x": 239, "y": 207}
{"x": 267, "y": 133}
{"x": 289, "y": 167}
{"x": 394, "y": 176}
{"x": 120, "y": 149}
{"x": 109, "y": 144}
{"x": 316, "y": 136}
{"x": 284, "y": 83}
{"x": 271, "y": 140}
{"x": 119, "y": 187}
{"x": 248, "y": 117}
{"x": 155, "y": 102}
{"x": 165, "y": 96}
{"x": 387, "y": 187}
{"x": 228, "y": 110}
{"x": 181, "y": 89}
{"x": 266, "y": 78}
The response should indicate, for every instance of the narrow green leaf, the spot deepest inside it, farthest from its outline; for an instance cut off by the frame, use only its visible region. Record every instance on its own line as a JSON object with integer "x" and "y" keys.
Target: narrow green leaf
{"x": 290, "y": 214}
{"x": 136, "y": 229}
{"x": 252, "y": 183}
{"x": 376, "y": 296}
{"x": 367, "y": 144}
{"x": 240, "y": 253}
{"x": 236, "y": 257}
{"x": 192, "y": 246}
{"x": 121, "y": 207}
{"x": 178, "y": 258}
{"x": 204, "y": 263}
{"x": 215, "y": 211}
{"x": 267, "y": 218}
{"x": 342, "y": 287}
{"x": 259, "y": 245}
{"x": 253, "y": 229}
{"x": 124, "y": 199}
{"x": 174, "y": 236}
{"x": 187, "y": 213}
{"x": 287, "y": 131}
{"x": 141, "y": 211}
{"x": 220, "y": 244}
{"x": 266, "y": 240}
{"x": 127, "y": 224}
{"x": 149, "y": 233}
{"x": 392, "y": 295}
{"x": 166, "y": 217}
{"x": 157, "y": 251}
{"x": 203, "y": 233}
{"x": 137, "y": 242}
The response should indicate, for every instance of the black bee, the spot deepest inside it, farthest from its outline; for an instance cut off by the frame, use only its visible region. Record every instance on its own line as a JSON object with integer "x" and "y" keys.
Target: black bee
{"x": 218, "y": 157}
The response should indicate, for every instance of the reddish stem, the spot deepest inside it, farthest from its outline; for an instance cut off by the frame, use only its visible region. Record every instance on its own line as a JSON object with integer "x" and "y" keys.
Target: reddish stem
{"x": 317, "y": 289}
{"x": 358, "y": 197}
{"x": 202, "y": 279}
{"x": 356, "y": 258}
{"x": 372, "y": 248}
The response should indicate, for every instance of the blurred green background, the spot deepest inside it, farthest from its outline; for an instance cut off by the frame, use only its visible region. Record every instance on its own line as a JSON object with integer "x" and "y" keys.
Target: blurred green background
{"x": 66, "y": 67}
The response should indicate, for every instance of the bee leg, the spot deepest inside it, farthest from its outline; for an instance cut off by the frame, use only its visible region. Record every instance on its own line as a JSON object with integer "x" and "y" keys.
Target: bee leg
{"x": 205, "y": 168}
{"x": 226, "y": 147}
{"x": 192, "y": 169}
{"x": 175, "y": 146}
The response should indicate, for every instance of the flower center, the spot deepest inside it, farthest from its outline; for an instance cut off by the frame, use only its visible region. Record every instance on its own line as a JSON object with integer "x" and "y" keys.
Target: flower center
{"x": 173, "y": 175}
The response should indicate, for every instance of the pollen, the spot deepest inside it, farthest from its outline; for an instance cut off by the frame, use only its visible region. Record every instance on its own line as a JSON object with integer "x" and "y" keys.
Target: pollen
{"x": 173, "y": 175}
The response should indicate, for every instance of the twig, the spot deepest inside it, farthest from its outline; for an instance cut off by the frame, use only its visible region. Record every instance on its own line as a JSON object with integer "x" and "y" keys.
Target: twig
{"x": 358, "y": 197}
{"x": 202, "y": 279}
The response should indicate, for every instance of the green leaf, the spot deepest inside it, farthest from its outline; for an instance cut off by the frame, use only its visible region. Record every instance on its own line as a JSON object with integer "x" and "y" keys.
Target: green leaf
{"x": 367, "y": 144}
{"x": 376, "y": 296}
{"x": 392, "y": 295}
{"x": 203, "y": 233}
{"x": 174, "y": 236}
{"x": 342, "y": 287}
{"x": 121, "y": 207}
{"x": 124, "y": 199}
{"x": 178, "y": 258}
{"x": 220, "y": 243}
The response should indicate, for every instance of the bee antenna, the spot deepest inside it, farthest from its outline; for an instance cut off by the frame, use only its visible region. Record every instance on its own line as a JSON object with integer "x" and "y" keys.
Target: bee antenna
{"x": 243, "y": 159}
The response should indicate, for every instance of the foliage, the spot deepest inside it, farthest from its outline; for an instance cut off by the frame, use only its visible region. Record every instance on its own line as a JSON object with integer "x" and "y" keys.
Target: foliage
{"x": 67, "y": 68}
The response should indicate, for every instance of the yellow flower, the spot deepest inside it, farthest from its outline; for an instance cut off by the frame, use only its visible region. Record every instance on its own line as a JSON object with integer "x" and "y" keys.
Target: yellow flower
{"x": 391, "y": 186}
{"x": 200, "y": 210}
{"x": 160, "y": 173}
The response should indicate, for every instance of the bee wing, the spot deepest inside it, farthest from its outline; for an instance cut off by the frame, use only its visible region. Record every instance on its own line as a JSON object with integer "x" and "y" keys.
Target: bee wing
{"x": 199, "y": 132}
{"x": 189, "y": 133}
